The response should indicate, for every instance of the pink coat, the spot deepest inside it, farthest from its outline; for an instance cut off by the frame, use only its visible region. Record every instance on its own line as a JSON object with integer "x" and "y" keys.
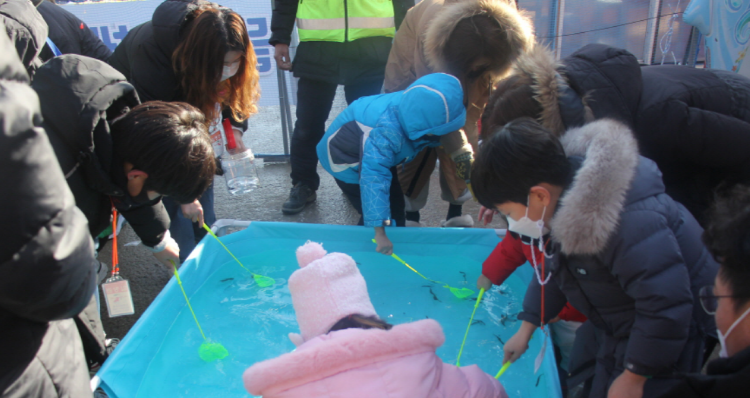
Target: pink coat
{"x": 374, "y": 363}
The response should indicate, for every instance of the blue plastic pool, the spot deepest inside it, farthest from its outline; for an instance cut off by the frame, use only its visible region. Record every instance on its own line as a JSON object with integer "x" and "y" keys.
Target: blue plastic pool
{"x": 159, "y": 356}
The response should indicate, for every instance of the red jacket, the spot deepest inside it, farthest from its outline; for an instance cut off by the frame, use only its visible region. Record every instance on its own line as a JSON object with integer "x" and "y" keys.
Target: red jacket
{"x": 510, "y": 254}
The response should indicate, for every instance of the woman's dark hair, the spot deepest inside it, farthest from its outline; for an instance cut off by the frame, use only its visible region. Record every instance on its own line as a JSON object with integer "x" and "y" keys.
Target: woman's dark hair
{"x": 727, "y": 237}
{"x": 511, "y": 99}
{"x": 199, "y": 58}
{"x": 521, "y": 155}
{"x": 357, "y": 321}
{"x": 169, "y": 141}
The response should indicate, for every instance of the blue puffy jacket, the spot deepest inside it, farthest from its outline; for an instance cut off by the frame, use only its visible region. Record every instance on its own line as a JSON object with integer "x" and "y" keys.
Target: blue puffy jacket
{"x": 376, "y": 133}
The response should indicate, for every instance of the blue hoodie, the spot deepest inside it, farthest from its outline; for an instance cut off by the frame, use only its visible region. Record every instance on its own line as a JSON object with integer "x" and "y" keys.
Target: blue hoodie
{"x": 376, "y": 133}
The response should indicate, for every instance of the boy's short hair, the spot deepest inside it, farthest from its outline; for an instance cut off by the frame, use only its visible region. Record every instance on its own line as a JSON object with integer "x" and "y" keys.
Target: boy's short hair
{"x": 727, "y": 237}
{"x": 516, "y": 158}
{"x": 170, "y": 142}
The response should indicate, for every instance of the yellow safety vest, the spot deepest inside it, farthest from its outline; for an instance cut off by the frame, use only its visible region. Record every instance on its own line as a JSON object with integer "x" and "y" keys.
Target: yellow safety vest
{"x": 344, "y": 20}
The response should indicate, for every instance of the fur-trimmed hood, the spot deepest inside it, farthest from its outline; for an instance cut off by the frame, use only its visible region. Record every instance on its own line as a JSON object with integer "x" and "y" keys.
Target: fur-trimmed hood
{"x": 604, "y": 81}
{"x": 340, "y": 351}
{"x": 518, "y": 27}
{"x": 589, "y": 211}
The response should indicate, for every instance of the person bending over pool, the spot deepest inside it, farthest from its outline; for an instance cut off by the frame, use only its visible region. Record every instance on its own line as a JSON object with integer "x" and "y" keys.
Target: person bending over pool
{"x": 345, "y": 350}
{"x": 620, "y": 250}
{"x": 374, "y": 134}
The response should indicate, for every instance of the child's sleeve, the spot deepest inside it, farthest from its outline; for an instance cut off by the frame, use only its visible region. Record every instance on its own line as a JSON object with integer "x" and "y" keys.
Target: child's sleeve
{"x": 379, "y": 156}
{"x": 649, "y": 266}
{"x": 149, "y": 221}
{"x": 504, "y": 259}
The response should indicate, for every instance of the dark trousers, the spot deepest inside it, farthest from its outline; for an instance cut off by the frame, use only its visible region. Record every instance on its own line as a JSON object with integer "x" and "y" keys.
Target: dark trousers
{"x": 314, "y": 101}
{"x": 353, "y": 193}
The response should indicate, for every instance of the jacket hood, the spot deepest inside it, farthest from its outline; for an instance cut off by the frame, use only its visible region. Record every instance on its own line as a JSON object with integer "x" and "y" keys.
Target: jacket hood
{"x": 168, "y": 20}
{"x": 432, "y": 105}
{"x": 604, "y": 81}
{"x": 339, "y": 351}
{"x": 75, "y": 93}
{"x": 588, "y": 213}
{"x": 519, "y": 30}
{"x": 26, "y": 29}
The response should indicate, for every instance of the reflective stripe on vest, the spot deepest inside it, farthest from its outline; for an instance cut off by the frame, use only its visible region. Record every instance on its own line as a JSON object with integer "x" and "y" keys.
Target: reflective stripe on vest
{"x": 327, "y": 20}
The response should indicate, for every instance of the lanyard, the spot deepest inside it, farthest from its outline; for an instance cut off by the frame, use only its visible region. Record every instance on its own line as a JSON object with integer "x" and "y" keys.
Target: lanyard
{"x": 115, "y": 256}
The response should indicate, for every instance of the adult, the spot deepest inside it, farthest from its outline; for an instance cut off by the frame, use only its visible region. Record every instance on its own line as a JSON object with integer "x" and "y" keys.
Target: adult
{"x": 26, "y": 29}
{"x": 47, "y": 273}
{"x": 694, "y": 123}
{"x": 343, "y": 42}
{"x": 200, "y": 53}
{"x": 69, "y": 34}
{"x": 728, "y": 239}
{"x": 476, "y": 41}
{"x": 114, "y": 156}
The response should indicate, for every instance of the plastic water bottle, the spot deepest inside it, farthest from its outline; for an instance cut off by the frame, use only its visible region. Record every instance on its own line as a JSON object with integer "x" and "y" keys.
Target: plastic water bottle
{"x": 239, "y": 165}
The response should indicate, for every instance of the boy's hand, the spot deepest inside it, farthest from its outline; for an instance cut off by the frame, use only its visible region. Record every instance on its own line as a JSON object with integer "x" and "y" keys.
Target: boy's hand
{"x": 486, "y": 215}
{"x": 627, "y": 385}
{"x": 193, "y": 211}
{"x": 484, "y": 283}
{"x": 171, "y": 252}
{"x": 519, "y": 343}
{"x": 238, "y": 139}
{"x": 384, "y": 244}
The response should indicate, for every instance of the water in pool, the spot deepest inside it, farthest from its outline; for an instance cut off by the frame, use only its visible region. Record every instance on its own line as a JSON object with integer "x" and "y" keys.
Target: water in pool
{"x": 253, "y": 323}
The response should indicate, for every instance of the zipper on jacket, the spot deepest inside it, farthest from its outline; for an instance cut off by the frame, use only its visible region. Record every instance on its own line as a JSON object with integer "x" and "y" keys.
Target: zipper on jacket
{"x": 346, "y": 22}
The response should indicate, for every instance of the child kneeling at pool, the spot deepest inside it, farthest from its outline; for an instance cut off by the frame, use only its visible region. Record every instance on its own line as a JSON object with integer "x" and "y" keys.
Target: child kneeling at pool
{"x": 345, "y": 350}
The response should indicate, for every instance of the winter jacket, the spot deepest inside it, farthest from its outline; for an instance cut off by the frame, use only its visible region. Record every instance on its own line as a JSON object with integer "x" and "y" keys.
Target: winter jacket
{"x": 47, "y": 272}
{"x": 76, "y": 94}
{"x": 724, "y": 378}
{"x": 144, "y": 56}
{"x": 70, "y": 34}
{"x": 512, "y": 252}
{"x": 378, "y": 132}
{"x": 26, "y": 29}
{"x": 694, "y": 123}
{"x": 372, "y": 363}
{"x": 627, "y": 256}
{"x": 352, "y": 62}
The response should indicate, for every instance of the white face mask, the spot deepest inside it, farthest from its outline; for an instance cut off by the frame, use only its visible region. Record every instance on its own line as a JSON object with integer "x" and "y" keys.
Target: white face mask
{"x": 229, "y": 71}
{"x": 723, "y": 338}
{"x": 526, "y": 227}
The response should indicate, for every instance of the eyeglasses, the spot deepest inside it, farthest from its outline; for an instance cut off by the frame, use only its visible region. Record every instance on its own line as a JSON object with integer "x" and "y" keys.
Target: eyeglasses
{"x": 709, "y": 301}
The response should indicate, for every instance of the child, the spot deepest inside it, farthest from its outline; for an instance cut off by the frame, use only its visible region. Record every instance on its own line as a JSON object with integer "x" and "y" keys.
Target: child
{"x": 345, "y": 350}
{"x": 620, "y": 250}
{"x": 374, "y": 134}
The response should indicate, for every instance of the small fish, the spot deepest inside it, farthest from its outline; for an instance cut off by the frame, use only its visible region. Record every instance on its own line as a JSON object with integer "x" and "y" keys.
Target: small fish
{"x": 500, "y": 340}
{"x": 228, "y": 279}
{"x": 464, "y": 274}
{"x": 358, "y": 263}
{"x": 434, "y": 297}
{"x": 503, "y": 318}
{"x": 479, "y": 322}
{"x": 538, "y": 379}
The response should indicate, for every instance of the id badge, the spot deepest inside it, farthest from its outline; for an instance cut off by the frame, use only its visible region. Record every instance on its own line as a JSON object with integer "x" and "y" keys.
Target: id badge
{"x": 540, "y": 357}
{"x": 117, "y": 296}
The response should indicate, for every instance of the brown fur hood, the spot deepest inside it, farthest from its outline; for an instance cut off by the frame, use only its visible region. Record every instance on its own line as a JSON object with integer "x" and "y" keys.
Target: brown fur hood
{"x": 519, "y": 28}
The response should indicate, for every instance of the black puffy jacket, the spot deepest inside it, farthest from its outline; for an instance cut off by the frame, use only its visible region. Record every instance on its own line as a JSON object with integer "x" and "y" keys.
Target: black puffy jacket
{"x": 70, "y": 34}
{"x": 26, "y": 29}
{"x": 75, "y": 94}
{"x": 358, "y": 61}
{"x": 724, "y": 378}
{"x": 47, "y": 272}
{"x": 628, "y": 257}
{"x": 694, "y": 123}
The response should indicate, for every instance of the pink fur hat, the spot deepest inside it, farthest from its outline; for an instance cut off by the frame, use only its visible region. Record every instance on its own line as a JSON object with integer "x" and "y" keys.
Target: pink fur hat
{"x": 326, "y": 288}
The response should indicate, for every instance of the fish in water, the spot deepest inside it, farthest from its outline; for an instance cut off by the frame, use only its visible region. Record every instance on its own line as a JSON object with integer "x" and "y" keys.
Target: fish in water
{"x": 228, "y": 279}
{"x": 500, "y": 340}
{"x": 434, "y": 296}
{"x": 480, "y": 322}
{"x": 538, "y": 379}
{"x": 464, "y": 274}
